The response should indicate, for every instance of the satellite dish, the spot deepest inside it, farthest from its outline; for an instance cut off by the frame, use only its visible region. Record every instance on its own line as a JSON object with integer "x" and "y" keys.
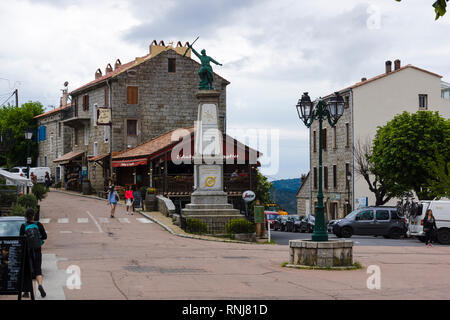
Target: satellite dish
{"x": 66, "y": 84}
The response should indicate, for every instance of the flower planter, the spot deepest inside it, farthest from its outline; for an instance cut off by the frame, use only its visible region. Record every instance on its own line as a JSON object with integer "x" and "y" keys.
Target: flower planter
{"x": 151, "y": 202}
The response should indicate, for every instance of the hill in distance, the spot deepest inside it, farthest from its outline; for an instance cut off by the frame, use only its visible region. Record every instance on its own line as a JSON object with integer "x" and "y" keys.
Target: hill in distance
{"x": 284, "y": 193}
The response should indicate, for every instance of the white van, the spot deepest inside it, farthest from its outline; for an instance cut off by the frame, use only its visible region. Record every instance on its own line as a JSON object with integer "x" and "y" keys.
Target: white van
{"x": 39, "y": 172}
{"x": 441, "y": 211}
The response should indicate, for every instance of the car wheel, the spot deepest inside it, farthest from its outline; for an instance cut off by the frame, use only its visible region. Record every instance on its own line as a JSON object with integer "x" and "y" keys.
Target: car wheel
{"x": 396, "y": 233}
{"x": 338, "y": 235}
{"x": 346, "y": 232}
{"x": 444, "y": 236}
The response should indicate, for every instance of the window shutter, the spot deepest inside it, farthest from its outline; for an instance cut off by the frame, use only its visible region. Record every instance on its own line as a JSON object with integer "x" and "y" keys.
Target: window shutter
{"x": 324, "y": 139}
{"x": 132, "y": 95}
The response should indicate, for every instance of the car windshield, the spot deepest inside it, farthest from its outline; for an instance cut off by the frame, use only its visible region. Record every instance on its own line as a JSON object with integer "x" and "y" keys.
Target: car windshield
{"x": 271, "y": 216}
{"x": 352, "y": 215}
{"x": 10, "y": 228}
{"x": 296, "y": 218}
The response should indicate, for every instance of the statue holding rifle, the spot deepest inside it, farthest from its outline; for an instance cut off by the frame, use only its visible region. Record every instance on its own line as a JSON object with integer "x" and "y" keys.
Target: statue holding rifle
{"x": 205, "y": 72}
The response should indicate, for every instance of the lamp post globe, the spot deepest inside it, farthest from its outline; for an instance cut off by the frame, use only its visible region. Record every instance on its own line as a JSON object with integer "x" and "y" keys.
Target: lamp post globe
{"x": 336, "y": 106}
{"x": 305, "y": 108}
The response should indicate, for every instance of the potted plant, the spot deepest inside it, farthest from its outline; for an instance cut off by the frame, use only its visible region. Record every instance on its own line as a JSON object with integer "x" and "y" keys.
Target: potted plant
{"x": 150, "y": 200}
{"x": 40, "y": 192}
{"x": 241, "y": 229}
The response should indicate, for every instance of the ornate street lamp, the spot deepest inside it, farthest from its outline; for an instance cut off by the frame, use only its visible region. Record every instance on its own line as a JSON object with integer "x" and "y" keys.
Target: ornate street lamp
{"x": 349, "y": 177}
{"x": 319, "y": 110}
{"x": 28, "y": 135}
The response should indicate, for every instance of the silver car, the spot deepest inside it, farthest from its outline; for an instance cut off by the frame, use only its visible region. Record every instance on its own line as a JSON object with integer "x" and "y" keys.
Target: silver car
{"x": 10, "y": 226}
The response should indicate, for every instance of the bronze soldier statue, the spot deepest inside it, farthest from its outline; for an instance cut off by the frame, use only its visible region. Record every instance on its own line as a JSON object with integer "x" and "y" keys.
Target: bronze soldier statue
{"x": 205, "y": 72}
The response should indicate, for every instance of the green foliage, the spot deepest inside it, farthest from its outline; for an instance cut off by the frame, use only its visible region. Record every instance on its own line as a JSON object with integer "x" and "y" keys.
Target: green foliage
{"x": 440, "y": 7}
{"x": 239, "y": 226}
{"x": 441, "y": 184}
{"x": 18, "y": 210}
{"x": 18, "y": 120}
{"x": 196, "y": 226}
{"x": 28, "y": 201}
{"x": 39, "y": 191}
{"x": 262, "y": 189}
{"x": 7, "y": 198}
{"x": 407, "y": 147}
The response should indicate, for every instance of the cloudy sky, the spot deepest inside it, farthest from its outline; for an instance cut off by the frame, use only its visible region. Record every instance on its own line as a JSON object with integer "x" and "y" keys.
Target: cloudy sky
{"x": 271, "y": 51}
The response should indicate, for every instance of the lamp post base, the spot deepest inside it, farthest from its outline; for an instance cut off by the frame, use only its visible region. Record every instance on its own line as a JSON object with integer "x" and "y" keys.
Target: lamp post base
{"x": 319, "y": 236}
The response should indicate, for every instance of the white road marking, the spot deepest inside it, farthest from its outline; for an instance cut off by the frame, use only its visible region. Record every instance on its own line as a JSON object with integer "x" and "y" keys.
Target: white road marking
{"x": 103, "y": 220}
{"x": 124, "y": 220}
{"x": 95, "y": 221}
{"x": 65, "y": 232}
{"x": 82, "y": 220}
{"x": 47, "y": 220}
{"x": 63, "y": 220}
{"x": 88, "y": 232}
{"x": 143, "y": 220}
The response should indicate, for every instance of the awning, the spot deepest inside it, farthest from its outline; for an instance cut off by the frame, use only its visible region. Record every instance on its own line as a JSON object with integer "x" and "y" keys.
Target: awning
{"x": 15, "y": 179}
{"x": 129, "y": 163}
{"x": 68, "y": 157}
{"x": 99, "y": 157}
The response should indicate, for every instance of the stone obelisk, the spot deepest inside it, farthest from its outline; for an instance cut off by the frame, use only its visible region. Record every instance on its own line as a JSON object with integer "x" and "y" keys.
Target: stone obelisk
{"x": 209, "y": 202}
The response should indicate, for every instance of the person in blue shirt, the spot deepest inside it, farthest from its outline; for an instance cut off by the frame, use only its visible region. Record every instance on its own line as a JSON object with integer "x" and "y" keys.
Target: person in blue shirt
{"x": 113, "y": 198}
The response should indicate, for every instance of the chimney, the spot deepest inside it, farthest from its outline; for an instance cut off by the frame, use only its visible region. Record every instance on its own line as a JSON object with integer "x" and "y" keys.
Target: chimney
{"x": 108, "y": 68}
{"x": 98, "y": 73}
{"x": 63, "y": 99}
{"x": 363, "y": 79}
{"x": 388, "y": 66}
{"x": 397, "y": 64}
{"x": 117, "y": 64}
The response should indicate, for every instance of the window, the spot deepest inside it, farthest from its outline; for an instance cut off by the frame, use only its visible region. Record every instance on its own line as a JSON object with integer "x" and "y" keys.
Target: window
{"x": 314, "y": 142}
{"x": 172, "y": 63}
{"x": 45, "y": 161}
{"x": 132, "y": 95}
{"x": 334, "y": 176}
{"x": 59, "y": 129}
{"x": 42, "y": 133}
{"x": 324, "y": 139}
{"x": 51, "y": 144}
{"x": 325, "y": 177}
{"x": 334, "y": 138}
{"x": 382, "y": 215}
{"x": 366, "y": 215}
{"x": 106, "y": 97}
{"x": 315, "y": 178}
{"x": 347, "y": 135}
{"x": 347, "y": 102}
{"x": 86, "y": 135}
{"x": 347, "y": 171}
{"x": 423, "y": 101}
{"x": 95, "y": 114}
{"x": 132, "y": 127}
{"x": 394, "y": 215}
{"x": 75, "y": 136}
{"x": 75, "y": 106}
{"x": 95, "y": 149}
{"x": 85, "y": 102}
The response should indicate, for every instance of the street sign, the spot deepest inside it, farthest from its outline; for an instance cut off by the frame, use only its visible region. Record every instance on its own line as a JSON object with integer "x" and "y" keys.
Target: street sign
{"x": 29, "y": 160}
{"x": 258, "y": 214}
{"x": 248, "y": 196}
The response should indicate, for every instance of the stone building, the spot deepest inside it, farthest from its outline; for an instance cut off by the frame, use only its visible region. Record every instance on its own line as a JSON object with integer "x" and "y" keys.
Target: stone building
{"x": 368, "y": 104}
{"x": 147, "y": 97}
{"x": 53, "y": 138}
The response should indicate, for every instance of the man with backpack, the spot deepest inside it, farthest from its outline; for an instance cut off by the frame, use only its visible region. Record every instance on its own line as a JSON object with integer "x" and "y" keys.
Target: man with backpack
{"x": 35, "y": 234}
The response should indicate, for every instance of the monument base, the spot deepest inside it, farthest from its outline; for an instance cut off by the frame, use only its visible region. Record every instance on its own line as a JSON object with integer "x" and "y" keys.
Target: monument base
{"x": 326, "y": 254}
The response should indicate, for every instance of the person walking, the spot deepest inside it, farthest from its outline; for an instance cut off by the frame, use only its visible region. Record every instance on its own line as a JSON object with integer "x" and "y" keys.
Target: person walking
{"x": 113, "y": 198}
{"x": 129, "y": 199}
{"x": 48, "y": 181}
{"x": 429, "y": 227}
{"x": 35, "y": 235}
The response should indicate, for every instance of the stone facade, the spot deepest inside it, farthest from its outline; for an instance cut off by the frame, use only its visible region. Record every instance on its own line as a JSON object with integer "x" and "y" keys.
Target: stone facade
{"x": 304, "y": 197}
{"x": 329, "y": 254}
{"x": 165, "y": 101}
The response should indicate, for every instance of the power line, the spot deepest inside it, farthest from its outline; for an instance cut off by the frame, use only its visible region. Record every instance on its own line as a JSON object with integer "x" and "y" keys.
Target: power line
{"x": 8, "y": 98}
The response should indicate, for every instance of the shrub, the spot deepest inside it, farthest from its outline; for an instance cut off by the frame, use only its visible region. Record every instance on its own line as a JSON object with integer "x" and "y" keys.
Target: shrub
{"x": 196, "y": 226}
{"x": 240, "y": 226}
{"x": 39, "y": 191}
{"x": 27, "y": 201}
{"x": 7, "y": 198}
{"x": 151, "y": 190}
{"x": 18, "y": 210}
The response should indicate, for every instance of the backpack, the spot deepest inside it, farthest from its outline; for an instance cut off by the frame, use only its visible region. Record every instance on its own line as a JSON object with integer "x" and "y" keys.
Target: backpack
{"x": 33, "y": 236}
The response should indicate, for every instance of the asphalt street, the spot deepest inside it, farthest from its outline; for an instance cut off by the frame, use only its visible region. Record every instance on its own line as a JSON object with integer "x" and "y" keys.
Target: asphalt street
{"x": 282, "y": 238}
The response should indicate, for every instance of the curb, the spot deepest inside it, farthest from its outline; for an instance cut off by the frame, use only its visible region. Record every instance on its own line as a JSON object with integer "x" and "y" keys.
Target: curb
{"x": 156, "y": 220}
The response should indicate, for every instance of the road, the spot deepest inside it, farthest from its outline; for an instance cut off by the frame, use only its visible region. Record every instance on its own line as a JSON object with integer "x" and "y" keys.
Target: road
{"x": 131, "y": 258}
{"x": 282, "y": 238}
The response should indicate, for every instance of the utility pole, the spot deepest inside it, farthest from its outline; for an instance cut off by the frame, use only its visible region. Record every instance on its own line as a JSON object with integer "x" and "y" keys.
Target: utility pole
{"x": 17, "y": 97}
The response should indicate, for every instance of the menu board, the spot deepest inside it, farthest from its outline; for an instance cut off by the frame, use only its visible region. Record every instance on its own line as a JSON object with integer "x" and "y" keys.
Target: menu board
{"x": 12, "y": 251}
{"x": 137, "y": 199}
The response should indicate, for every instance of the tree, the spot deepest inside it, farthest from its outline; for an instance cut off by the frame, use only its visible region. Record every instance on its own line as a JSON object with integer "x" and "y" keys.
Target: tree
{"x": 364, "y": 167}
{"x": 440, "y": 7}
{"x": 17, "y": 120}
{"x": 441, "y": 184}
{"x": 407, "y": 147}
{"x": 262, "y": 189}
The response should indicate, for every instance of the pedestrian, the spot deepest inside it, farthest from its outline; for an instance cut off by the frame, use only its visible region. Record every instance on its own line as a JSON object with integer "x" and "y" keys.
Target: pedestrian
{"x": 47, "y": 180}
{"x": 429, "y": 227}
{"x": 113, "y": 198}
{"x": 35, "y": 235}
{"x": 129, "y": 199}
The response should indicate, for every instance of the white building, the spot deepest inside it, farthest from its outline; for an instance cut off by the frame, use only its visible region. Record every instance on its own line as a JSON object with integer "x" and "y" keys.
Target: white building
{"x": 369, "y": 103}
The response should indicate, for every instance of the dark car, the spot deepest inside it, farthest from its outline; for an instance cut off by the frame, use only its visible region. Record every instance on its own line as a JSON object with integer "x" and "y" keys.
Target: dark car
{"x": 10, "y": 226}
{"x": 371, "y": 221}
{"x": 307, "y": 223}
{"x": 270, "y": 218}
{"x": 280, "y": 223}
{"x": 293, "y": 223}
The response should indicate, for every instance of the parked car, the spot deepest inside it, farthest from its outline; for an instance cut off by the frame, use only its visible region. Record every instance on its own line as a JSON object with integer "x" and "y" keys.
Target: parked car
{"x": 10, "y": 226}
{"x": 307, "y": 224}
{"x": 270, "y": 218}
{"x": 21, "y": 171}
{"x": 441, "y": 212}
{"x": 39, "y": 172}
{"x": 330, "y": 225}
{"x": 293, "y": 223}
{"x": 373, "y": 221}
{"x": 280, "y": 223}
